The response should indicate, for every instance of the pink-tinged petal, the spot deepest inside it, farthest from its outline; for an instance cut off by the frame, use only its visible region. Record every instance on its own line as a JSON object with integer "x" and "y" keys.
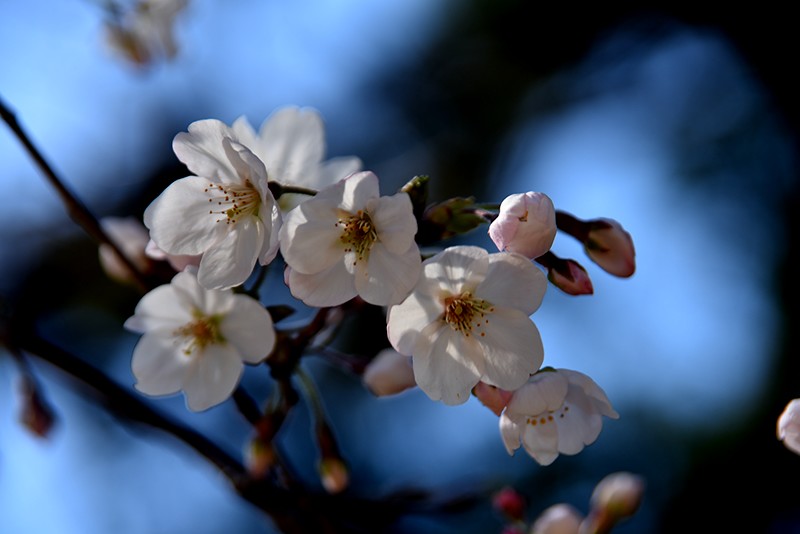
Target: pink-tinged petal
{"x": 406, "y": 320}
{"x": 292, "y": 143}
{"x": 441, "y": 370}
{"x": 394, "y": 221}
{"x": 179, "y": 219}
{"x": 513, "y": 281}
{"x": 502, "y": 231}
{"x": 544, "y": 392}
{"x": 456, "y": 269}
{"x": 526, "y": 224}
{"x": 492, "y": 397}
{"x": 558, "y": 519}
{"x": 160, "y": 308}
{"x": 336, "y": 169}
{"x": 359, "y": 188}
{"x": 788, "y": 428}
{"x": 230, "y": 262}
{"x": 330, "y": 287}
{"x": 310, "y": 236}
{"x": 512, "y": 348}
{"x": 200, "y": 149}
{"x": 158, "y": 364}
{"x": 386, "y": 278}
{"x": 248, "y": 327}
{"x": 389, "y": 373}
{"x": 541, "y": 441}
{"x": 510, "y": 432}
{"x": 212, "y": 377}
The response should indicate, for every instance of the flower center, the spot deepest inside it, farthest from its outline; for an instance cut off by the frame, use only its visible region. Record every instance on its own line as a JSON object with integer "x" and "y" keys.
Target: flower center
{"x": 465, "y": 313}
{"x": 233, "y": 201}
{"x": 201, "y": 332}
{"x": 358, "y": 234}
{"x": 544, "y": 418}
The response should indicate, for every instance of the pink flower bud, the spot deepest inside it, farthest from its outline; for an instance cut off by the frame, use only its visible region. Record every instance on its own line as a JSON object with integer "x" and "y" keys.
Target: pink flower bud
{"x": 130, "y": 236}
{"x": 558, "y": 519}
{"x": 259, "y": 458}
{"x": 789, "y": 426}
{"x": 510, "y": 503}
{"x": 570, "y": 277}
{"x": 492, "y": 397}
{"x": 389, "y": 373}
{"x": 526, "y": 224}
{"x": 618, "y": 495}
{"x": 333, "y": 474}
{"x": 611, "y": 247}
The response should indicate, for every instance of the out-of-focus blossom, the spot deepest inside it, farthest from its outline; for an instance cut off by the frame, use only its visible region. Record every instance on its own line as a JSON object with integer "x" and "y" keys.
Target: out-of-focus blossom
{"x": 492, "y": 397}
{"x": 196, "y": 340}
{"x": 526, "y": 224}
{"x": 179, "y": 262}
{"x": 226, "y": 212}
{"x": 789, "y": 426}
{"x": 557, "y": 411}
{"x": 333, "y": 475}
{"x": 558, "y": 519}
{"x": 510, "y": 503}
{"x": 131, "y": 237}
{"x": 389, "y": 373}
{"x": 611, "y": 247}
{"x": 468, "y": 320}
{"x": 291, "y": 143}
{"x": 347, "y": 241}
{"x": 144, "y": 32}
{"x": 618, "y": 494}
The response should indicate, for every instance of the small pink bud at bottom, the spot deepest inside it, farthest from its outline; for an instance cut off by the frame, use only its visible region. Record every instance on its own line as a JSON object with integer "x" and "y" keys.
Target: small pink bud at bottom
{"x": 570, "y": 277}
{"x": 259, "y": 458}
{"x": 36, "y": 414}
{"x": 510, "y": 503}
{"x": 558, "y": 519}
{"x": 492, "y": 397}
{"x": 618, "y": 494}
{"x": 334, "y": 475}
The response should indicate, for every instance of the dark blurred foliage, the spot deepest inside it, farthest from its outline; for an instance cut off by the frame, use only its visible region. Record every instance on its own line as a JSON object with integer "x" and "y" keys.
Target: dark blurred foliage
{"x": 462, "y": 97}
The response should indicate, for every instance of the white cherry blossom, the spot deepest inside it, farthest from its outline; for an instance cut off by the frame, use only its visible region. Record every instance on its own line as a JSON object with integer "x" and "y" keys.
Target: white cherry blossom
{"x": 196, "y": 340}
{"x": 291, "y": 143}
{"x": 348, "y": 241}
{"x": 556, "y": 411}
{"x": 468, "y": 320}
{"x": 225, "y": 212}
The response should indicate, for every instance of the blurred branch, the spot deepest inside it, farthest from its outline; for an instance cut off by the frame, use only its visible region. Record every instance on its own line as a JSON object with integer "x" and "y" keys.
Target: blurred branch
{"x": 77, "y": 211}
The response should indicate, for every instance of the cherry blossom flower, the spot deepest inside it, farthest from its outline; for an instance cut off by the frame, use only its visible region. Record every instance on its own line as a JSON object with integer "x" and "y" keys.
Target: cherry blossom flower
{"x": 560, "y": 518}
{"x": 789, "y": 426}
{"x": 226, "y": 212}
{"x": 348, "y": 241}
{"x": 196, "y": 340}
{"x": 468, "y": 320}
{"x": 526, "y": 224}
{"x": 144, "y": 32}
{"x": 557, "y": 411}
{"x": 291, "y": 143}
{"x": 618, "y": 494}
{"x": 389, "y": 373}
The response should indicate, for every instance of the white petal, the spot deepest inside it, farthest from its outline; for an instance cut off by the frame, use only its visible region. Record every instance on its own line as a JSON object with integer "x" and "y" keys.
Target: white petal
{"x": 272, "y": 226}
{"x": 212, "y": 377}
{"x": 231, "y": 261}
{"x": 544, "y": 392}
{"x": 456, "y": 269}
{"x": 387, "y": 278}
{"x": 160, "y": 308}
{"x": 440, "y": 368}
{"x": 336, "y": 169}
{"x": 512, "y": 280}
{"x": 245, "y": 133}
{"x": 310, "y": 238}
{"x": 394, "y": 221}
{"x": 591, "y": 389}
{"x": 179, "y": 218}
{"x": 541, "y": 442}
{"x": 580, "y": 425}
{"x": 331, "y": 287}
{"x": 510, "y": 432}
{"x": 200, "y": 149}
{"x": 405, "y": 321}
{"x": 158, "y": 364}
{"x": 358, "y": 189}
{"x": 245, "y": 163}
{"x": 512, "y": 348}
{"x": 292, "y": 143}
{"x": 248, "y": 327}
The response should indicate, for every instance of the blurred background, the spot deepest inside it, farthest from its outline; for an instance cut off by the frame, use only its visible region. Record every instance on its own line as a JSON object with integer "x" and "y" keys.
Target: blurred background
{"x": 679, "y": 123}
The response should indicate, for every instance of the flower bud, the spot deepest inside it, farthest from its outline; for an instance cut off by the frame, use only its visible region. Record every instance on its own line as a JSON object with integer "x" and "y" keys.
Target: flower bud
{"x": 389, "y": 373}
{"x": 36, "y": 415}
{"x": 789, "y": 426}
{"x": 510, "y": 503}
{"x": 611, "y": 247}
{"x": 417, "y": 191}
{"x": 259, "y": 458}
{"x": 557, "y": 519}
{"x": 526, "y": 224}
{"x": 618, "y": 495}
{"x": 570, "y": 277}
{"x": 492, "y": 397}
{"x": 453, "y": 217}
{"x": 333, "y": 474}
{"x": 131, "y": 237}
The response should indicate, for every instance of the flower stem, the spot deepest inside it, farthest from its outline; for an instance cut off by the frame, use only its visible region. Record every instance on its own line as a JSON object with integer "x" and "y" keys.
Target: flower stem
{"x": 280, "y": 189}
{"x": 75, "y": 208}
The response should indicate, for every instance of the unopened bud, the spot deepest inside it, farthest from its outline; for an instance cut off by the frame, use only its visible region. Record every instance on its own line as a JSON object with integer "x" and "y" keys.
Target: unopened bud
{"x": 389, "y": 373}
{"x": 454, "y": 216}
{"x": 618, "y": 495}
{"x": 259, "y": 458}
{"x": 526, "y": 224}
{"x": 611, "y": 247}
{"x": 789, "y": 426}
{"x": 36, "y": 414}
{"x": 334, "y": 475}
{"x": 492, "y": 397}
{"x": 131, "y": 237}
{"x": 510, "y": 503}
{"x": 558, "y": 519}
{"x": 570, "y": 277}
{"x": 417, "y": 191}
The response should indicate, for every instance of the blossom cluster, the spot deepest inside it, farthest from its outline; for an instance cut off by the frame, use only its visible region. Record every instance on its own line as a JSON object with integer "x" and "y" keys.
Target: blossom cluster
{"x": 458, "y": 319}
